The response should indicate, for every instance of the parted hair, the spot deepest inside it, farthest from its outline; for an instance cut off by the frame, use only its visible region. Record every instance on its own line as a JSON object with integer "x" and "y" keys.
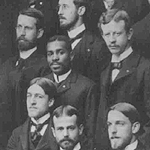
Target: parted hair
{"x": 61, "y": 38}
{"x": 115, "y": 15}
{"x": 35, "y": 13}
{"x": 67, "y": 110}
{"x": 46, "y": 84}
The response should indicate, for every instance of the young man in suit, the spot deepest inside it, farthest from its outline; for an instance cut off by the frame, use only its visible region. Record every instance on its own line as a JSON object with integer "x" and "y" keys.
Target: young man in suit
{"x": 20, "y": 69}
{"x": 35, "y": 133}
{"x": 72, "y": 88}
{"x": 67, "y": 128}
{"x": 127, "y": 77}
{"x": 124, "y": 126}
{"x": 90, "y": 51}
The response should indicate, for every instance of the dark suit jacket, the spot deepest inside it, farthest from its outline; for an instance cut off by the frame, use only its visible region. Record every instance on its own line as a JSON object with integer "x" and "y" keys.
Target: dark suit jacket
{"x": 79, "y": 92}
{"x": 20, "y": 139}
{"x": 131, "y": 85}
{"x": 12, "y": 91}
{"x": 140, "y": 146}
{"x": 91, "y": 55}
{"x": 141, "y": 36}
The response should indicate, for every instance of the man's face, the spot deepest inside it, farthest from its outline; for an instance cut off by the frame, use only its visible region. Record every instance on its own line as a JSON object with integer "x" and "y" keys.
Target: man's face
{"x": 116, "y": 37}
{"x": 119, "y": 130}
{"x": 58, "y": 57}
{"x": 109, "y": 3}
{"x": 37, "y": 101}
{"x": 68, "y": 14}
{"x": 66, "y": 131}
{"x": 26, "y": 32}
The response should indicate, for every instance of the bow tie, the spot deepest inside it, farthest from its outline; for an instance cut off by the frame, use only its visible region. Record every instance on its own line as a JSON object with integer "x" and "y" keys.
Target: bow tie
{"x": 76, "y": 37}
{"x": 116, "y": 65}
{"x": 36, "y": 136}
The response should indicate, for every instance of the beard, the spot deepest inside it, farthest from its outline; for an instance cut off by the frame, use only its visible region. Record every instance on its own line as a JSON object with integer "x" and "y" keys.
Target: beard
{"x": 67, "y": 143}
{"x": 120, "y": 143}
{"x": 24, "y": 45}
{"x": 67, "y": 25}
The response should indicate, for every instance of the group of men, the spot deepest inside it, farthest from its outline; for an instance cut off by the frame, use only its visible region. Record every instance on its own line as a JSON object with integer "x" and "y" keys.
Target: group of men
{"x": 90, "y": 91}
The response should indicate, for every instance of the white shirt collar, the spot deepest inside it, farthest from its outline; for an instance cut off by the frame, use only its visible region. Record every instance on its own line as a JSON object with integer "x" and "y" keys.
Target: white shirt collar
{"x": 121, "y": 57}
{"x": 77, "y": 147}
{"x": 132, "y": 146}
{"x": 42, "y": 119}
{"x": 61, "y": 77}
{"x": 73, "y": 33}
{"x": 26, "y": 54}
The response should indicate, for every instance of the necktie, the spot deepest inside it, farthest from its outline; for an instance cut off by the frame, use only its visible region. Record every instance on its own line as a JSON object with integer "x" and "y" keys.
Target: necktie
{"x": 116, "y": 65}
{"x": 21, "y": 63}
{"x": 36, "y": 136}
{"x": 76, "y": 37}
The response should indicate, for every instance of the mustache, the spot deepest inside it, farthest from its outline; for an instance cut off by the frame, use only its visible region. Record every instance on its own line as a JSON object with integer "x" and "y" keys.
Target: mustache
{"x": 114, "y": 137}
{"x": 55, "y": 63}
{"x": 61, "y": 17}
{"x": 67, "y": 139}
{"x": 21, "y": 38}
{"x": 114, "y": 46}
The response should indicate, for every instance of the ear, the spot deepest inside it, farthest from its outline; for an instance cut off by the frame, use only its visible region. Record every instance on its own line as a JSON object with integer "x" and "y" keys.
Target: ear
{"x": 51, "y": 102}
{"x": 40, "y": 33}
{"x": 130, "y": 33}
{"x": 81, "y": 10}
{"x": 81, "y": 127}
{"x": 71, "y": 55}
{"x": 135, "y": 127}
{"x": 53, "y": 131}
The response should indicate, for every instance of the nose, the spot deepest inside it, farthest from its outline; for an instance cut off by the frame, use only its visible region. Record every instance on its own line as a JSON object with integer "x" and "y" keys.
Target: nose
{"x": 113, "y": 129}
{"x": 22, "y": 31}
{"x": 55, "y": 57}
{"x": 65, "y": 133}
{"x": 112, "y": 38}
{"x": 60, "y": 10}
{"x": 32, "y": 100}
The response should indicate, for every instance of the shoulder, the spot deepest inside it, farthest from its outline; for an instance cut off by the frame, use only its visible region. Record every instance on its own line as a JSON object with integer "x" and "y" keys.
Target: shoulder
{"x": 82, "y": 80}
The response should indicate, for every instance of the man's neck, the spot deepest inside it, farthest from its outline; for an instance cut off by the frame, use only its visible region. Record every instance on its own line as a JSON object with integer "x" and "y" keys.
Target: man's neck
{"x": 76, "y": 31}
{"x": 26, "y": 54}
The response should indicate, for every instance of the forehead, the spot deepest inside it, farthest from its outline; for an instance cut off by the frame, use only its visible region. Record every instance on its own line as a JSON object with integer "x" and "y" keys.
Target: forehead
{"x": 113, "y": 26}
{"x": 56, "y": 45}
{"x": 35, "y": 89}
{"x": 114, "y": 116}
{"x": 26, "y": 20}
{"x": 67, "y": 2}
{"x": 64, "y": 121}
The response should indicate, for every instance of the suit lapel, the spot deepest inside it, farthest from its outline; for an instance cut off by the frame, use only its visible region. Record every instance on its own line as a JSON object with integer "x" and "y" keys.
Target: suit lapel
{"x": 25, "y": 135}
{"x": 47, "y": 141}
{"x": 105, "y": 77}
{"x": 66, "y": 84}
{"x": 129, "y": 65}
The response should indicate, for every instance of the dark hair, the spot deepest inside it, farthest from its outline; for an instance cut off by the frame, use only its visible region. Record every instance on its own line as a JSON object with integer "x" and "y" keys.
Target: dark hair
{"x": 61, "y": 38}
{"x": 115, "y": 15}
{"x": 67, "y": 110}
{"x": 37, "y": 14}
{"x": 79, "y": 3}
{"x": 129, "y": 111}
{"x": 46, "y": 84}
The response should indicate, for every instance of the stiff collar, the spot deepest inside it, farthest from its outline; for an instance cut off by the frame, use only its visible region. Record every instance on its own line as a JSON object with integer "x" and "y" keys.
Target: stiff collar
{"x": 26, "y": 54}
{"x": 132, "y": 146}
{"x": 73, "y": 33}
{"x": 124, "y": 55}
{"x": 77, "y": 147}
{"x": 61, "y": 78}
{"x": 42, "y": 119}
